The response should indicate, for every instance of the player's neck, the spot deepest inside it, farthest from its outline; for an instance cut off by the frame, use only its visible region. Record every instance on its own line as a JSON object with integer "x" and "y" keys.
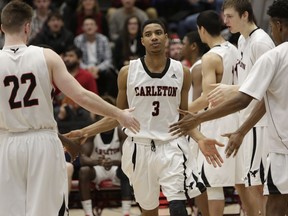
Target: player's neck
{"x": 250, "y": 28}
{"x": 215, "y": 41}
{"x": 155, "y": 63}
{"x": 13, "y": 39}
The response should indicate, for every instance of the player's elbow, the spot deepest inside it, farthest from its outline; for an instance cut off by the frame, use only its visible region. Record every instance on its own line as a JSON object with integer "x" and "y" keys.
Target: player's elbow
{"x": 242, "y": 100}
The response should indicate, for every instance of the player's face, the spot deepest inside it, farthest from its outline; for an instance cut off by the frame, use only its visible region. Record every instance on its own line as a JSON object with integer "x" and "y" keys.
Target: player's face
{"x": 232, "y": 20}
{"x": 185, "y": 48}
{"x": 154, "y": 38}
{"x": 275, "y": 26}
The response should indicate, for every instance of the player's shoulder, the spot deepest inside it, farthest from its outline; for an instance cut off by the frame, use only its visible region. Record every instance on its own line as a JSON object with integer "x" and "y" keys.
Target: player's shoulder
{"x": 211, "y": 57}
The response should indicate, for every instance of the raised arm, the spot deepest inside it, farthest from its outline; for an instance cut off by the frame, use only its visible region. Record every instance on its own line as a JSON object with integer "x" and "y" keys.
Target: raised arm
{"x": 88, "y": 100}
{"x": 190, "y": 120}
{"x": 210, "y": 64}
{"x": 106, "y": 123}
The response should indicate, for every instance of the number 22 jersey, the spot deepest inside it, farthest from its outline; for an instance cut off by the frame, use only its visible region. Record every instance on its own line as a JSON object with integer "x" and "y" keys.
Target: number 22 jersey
{"x": 25, "y": 90}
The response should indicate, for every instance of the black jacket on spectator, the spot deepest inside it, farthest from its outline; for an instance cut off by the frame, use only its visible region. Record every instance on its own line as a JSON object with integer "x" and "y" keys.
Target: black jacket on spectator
{"x": 56, "y": 41}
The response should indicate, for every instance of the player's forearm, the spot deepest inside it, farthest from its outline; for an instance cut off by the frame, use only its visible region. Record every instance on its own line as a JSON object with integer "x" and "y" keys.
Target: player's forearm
{"x": 240, "y": 101}
{"x": 197, "y": 105}
{"x": 257, "y": 113}
{"x": 196, "y": 134}
{"x": 100, "y": 126}
{"x": 95, "y": 104}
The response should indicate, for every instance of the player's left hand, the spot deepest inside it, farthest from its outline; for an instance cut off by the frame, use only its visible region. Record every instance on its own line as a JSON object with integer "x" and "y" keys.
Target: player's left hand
{"x": 209, "y": 150}
{"x": 234, "y": 143}
{"x": 72, "y": 145}
{"x": 183, "y": 126}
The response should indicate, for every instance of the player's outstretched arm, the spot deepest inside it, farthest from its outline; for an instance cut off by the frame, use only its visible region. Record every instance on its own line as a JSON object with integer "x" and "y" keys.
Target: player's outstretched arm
{"x": 221, "y": 93}
{"x": 208, "y": 147}
{"x": 190, "y": 120}
{"x": 72, "y": 146}
{"x": 88, "y": 100}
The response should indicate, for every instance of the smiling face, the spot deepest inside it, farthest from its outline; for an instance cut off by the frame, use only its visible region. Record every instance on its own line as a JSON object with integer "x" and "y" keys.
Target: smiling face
{"x": 154, "y": 38}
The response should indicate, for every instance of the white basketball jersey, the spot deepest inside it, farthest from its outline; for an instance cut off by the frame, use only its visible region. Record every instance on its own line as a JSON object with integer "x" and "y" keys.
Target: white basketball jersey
{"x": 25, "y": 90}
{"x": 111, "y": 150}
{"x": 190, "y": 94}
{"x": 156, "y": 98}
{"x": 251, "y": 49}
{"x": 229, "y": 54}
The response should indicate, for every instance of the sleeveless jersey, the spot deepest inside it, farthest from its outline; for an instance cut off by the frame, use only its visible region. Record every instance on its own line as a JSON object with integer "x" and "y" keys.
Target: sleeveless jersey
{"x": 25, "y": 90}
{"x": 229, "y": 54}
{"x": 190, "y": 94}
{"x": 156, "y": 98}
{"x": 251, "y": 49}
{"x": 111, "y": 150}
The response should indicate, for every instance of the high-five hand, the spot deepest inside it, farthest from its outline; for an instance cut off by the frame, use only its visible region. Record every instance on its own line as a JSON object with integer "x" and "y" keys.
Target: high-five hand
{"x": 209, "y": 150}
{"x": 183, "y": 126}
{"x": 128, "y": 121}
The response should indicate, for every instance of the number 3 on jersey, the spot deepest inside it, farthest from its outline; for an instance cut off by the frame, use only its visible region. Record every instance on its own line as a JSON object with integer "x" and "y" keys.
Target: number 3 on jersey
{"x": 27, "y": 101}
{"x": 156, "y": 105}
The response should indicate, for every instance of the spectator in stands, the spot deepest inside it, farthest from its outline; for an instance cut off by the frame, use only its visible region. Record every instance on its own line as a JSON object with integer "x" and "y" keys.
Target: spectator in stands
{"x": 97, "y": 57}
{"x": 100, "y": 160}
{"x": 41, "y": 12}
{"x": 117, "y": 18}
{"x": 88, "y": 8}
{"x": 54, "y": 34}
{"x": 70, "y": 116}
{"x": 189, "y": 23}
{"x": 128, "y": 46}
{"x": 145, "y": 5}
{"x": 175, "y": 47}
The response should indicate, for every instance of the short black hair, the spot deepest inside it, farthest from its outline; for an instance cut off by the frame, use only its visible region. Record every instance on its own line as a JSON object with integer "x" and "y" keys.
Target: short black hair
{"x": 154, "y": 21}
{"x": 74, "y": 49}
{"x": 278, "y": 9}
{"x": 211, "y": 21}
{"x": 194, "y": 37}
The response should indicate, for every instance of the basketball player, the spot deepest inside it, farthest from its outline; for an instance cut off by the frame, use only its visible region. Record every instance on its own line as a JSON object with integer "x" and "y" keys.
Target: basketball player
{"x": 157, "y": 86}
{"x": 192, "y": 51}
{"x": 101, "y": 160}
{"x": 267, "y": 79}
{"x": 217, "y": 67}
{"x": 33, "y": 170}
{"x": 253, "y": 42}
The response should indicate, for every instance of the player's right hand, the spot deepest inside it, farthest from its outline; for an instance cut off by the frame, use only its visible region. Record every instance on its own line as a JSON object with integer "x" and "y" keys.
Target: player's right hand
{"x": 128, "y": 121}
{"x": 77, "y": 135}
{"x": 234, "y": 143}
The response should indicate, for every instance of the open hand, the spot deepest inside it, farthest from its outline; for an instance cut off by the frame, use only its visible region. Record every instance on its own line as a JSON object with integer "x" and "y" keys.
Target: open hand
{"x": 209, "y": 150}
{"x": 183, "y": 126}
{"x": 77, "y": 136}
{"x": 234, "y": 143}
{"x": 220, "y": 93}
{"x": 128, "y": 121}
{"x": 72, "y": 146}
